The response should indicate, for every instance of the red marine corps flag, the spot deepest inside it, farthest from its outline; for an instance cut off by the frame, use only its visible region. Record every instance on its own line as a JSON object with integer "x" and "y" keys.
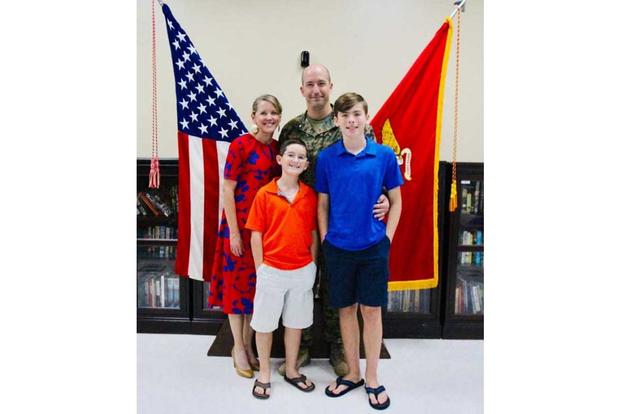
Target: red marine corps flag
{"x": 206, "y": 125}
{"x": 410, "y": 123}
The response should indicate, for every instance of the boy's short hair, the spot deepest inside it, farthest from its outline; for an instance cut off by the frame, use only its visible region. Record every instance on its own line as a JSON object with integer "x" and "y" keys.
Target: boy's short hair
{"x": 347, "y": 101}
{"x": 291, "y": 141}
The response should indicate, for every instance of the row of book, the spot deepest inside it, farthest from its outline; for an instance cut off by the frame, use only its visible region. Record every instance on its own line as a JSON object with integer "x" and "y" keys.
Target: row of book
{"x": 158, "y": 289}
{"x": 471, "y": 197}
{"x": 470, "y": 258}
{"x": 160, "y": 252}
{"x": 471, "y": 238}
{"x": 157, "y": 232}
{"x": 150, "y": 203}
{"x": 468, "y": 296}
{"x": 418, "y": 301}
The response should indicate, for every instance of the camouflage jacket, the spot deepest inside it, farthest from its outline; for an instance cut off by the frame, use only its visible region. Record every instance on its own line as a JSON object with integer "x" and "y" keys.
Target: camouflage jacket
{"x": 328, "y": 133}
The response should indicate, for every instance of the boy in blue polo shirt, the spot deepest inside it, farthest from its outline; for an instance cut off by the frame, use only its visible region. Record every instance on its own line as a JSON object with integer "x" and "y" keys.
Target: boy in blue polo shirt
{"x": 350, "y": 175}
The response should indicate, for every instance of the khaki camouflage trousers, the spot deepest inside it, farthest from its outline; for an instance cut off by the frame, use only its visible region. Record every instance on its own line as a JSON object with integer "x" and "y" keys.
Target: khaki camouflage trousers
{"x": 330, "y": 315}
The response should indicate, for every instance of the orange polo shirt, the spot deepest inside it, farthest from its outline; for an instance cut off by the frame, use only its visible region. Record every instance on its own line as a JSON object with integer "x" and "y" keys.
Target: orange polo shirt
{"x": 286, "y": 227}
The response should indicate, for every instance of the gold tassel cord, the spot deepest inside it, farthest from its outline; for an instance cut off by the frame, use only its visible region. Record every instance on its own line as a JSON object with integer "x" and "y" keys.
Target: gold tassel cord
{"x": 453, "y": 196}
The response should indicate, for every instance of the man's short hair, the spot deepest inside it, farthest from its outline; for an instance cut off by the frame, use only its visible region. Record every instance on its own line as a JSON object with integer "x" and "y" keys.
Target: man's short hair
{"x": 320, "y": 65}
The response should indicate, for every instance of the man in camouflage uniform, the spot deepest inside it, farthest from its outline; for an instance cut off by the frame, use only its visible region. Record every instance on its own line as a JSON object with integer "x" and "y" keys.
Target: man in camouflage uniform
{"x": 316, "y": 128}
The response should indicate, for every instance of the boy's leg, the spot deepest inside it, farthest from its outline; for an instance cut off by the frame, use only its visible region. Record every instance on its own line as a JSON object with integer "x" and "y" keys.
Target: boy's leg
{"x": 372, "y": 284}
{"x": 264, "y": 349}
{"x": 292, "y": 345}
{"x": 350, "y": 332}
{"x": 303, "y": 358}
{"x": 372, "y": 337}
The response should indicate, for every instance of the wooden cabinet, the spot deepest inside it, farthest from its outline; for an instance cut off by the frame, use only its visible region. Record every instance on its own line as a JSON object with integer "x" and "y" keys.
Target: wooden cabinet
{"x": 463, "y": 313}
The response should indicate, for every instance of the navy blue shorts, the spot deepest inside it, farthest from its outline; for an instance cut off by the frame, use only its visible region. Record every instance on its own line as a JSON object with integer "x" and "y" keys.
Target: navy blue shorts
{"x": 357, "y": 276}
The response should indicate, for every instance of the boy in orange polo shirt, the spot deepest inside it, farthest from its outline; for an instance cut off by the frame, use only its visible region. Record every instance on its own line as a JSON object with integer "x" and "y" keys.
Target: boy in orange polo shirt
{"x": 284, "y": 247}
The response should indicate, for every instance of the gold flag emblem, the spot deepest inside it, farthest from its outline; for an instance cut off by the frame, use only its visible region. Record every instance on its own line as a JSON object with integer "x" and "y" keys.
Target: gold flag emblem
{"x": 389, "y": 139}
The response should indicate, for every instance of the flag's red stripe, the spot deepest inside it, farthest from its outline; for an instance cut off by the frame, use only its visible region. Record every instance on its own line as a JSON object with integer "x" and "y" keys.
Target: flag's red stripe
{"x": 212, "y": 195}
{"x": 183, "y": 214}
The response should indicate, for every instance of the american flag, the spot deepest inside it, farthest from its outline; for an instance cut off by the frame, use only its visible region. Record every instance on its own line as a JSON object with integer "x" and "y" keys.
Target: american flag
{"x": 206, "y": 124}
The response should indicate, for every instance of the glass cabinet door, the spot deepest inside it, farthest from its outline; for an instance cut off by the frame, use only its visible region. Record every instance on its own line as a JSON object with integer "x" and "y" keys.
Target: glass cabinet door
{"x": 469, "y": 284}
{"x": 158, "y": 284}
{"x": 469, "y": 260}
{"x": 205, "y": 293}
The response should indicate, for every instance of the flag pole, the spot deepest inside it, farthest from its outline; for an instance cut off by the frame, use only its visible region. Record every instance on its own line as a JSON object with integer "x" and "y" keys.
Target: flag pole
{"x": 458, "y": 5}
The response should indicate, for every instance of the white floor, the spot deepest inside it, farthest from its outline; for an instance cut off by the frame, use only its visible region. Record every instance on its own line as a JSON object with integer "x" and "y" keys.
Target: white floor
{"x": 433, "y": 376}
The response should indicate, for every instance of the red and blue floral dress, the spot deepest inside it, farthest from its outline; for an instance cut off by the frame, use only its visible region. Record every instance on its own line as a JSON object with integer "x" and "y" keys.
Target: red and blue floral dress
{"x": 251, "y": 164}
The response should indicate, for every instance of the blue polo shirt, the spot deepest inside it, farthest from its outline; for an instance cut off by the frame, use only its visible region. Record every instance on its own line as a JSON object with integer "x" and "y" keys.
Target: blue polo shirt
{"x": 353, "y": 184}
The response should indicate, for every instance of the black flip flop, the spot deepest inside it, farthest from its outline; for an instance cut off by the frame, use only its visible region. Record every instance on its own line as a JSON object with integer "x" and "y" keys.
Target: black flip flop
{"x": 301, "y": 379}
{"x": 340, "y": 381}
{"x": 265, "y": 386}
{"x": 376, "y": 392}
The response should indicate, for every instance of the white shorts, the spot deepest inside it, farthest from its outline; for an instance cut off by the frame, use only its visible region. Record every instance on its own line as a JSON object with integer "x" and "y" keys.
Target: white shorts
{"x": 283, "y": 292}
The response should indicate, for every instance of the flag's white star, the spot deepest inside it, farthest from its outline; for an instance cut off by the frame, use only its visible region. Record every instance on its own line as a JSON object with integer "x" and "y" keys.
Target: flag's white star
{"x": 191, "y": 49}
{"x": 223, "y": 132}
{"x": 196, "y": 68}
{"x": 203, "y": 128}
{"x": 233, "y": 124}
{"x": 194, "y": 117}
{"x": 221, "y": 112}
{"x": 184, "y": 124}
{"x": 190, "y": 76}
{"x": 192, "y": 96}
{"x": 182, "y": 84}
{"x": 181, "y": 36}
{"x": 207, "y": 80}
{"x": 229, "y": 105}
{"x": 184, "y": 104}
{"x": 219, "y": 92}
{"x": 179, "y": 63}
{"x": 211, "y": 100}
{"x": 202, "y": 108}
{"x": 200, "y": 88}
{"x": 213, "y": 121}
{"x": 170, "y": 24}
{"x": 176, "y": 44}
{"x": 186, "y": 56}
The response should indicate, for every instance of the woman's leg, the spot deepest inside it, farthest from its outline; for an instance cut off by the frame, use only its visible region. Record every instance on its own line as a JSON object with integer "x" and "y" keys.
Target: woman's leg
{"x": 248, "y": 336}
{"x": 239, "y": 351}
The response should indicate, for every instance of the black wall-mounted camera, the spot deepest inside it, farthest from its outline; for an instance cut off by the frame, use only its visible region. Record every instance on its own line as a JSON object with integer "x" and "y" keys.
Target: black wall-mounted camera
{"x": 305, "y": 58}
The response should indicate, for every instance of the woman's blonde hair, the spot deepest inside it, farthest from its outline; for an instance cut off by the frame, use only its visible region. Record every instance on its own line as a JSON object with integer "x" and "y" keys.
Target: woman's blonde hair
{"x": 267, "y": 98}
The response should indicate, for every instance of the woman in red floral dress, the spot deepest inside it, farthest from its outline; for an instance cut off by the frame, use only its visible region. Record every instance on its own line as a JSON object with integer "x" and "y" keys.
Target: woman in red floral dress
{"x": 250, "y": 164}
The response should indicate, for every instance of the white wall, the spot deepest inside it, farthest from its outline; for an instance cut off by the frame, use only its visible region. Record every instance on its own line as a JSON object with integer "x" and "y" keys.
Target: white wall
{"x": 253, "y": 47}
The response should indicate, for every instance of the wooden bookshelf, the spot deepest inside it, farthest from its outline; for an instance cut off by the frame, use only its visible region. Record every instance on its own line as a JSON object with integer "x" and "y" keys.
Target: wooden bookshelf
{"x": 463, "y": 310}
